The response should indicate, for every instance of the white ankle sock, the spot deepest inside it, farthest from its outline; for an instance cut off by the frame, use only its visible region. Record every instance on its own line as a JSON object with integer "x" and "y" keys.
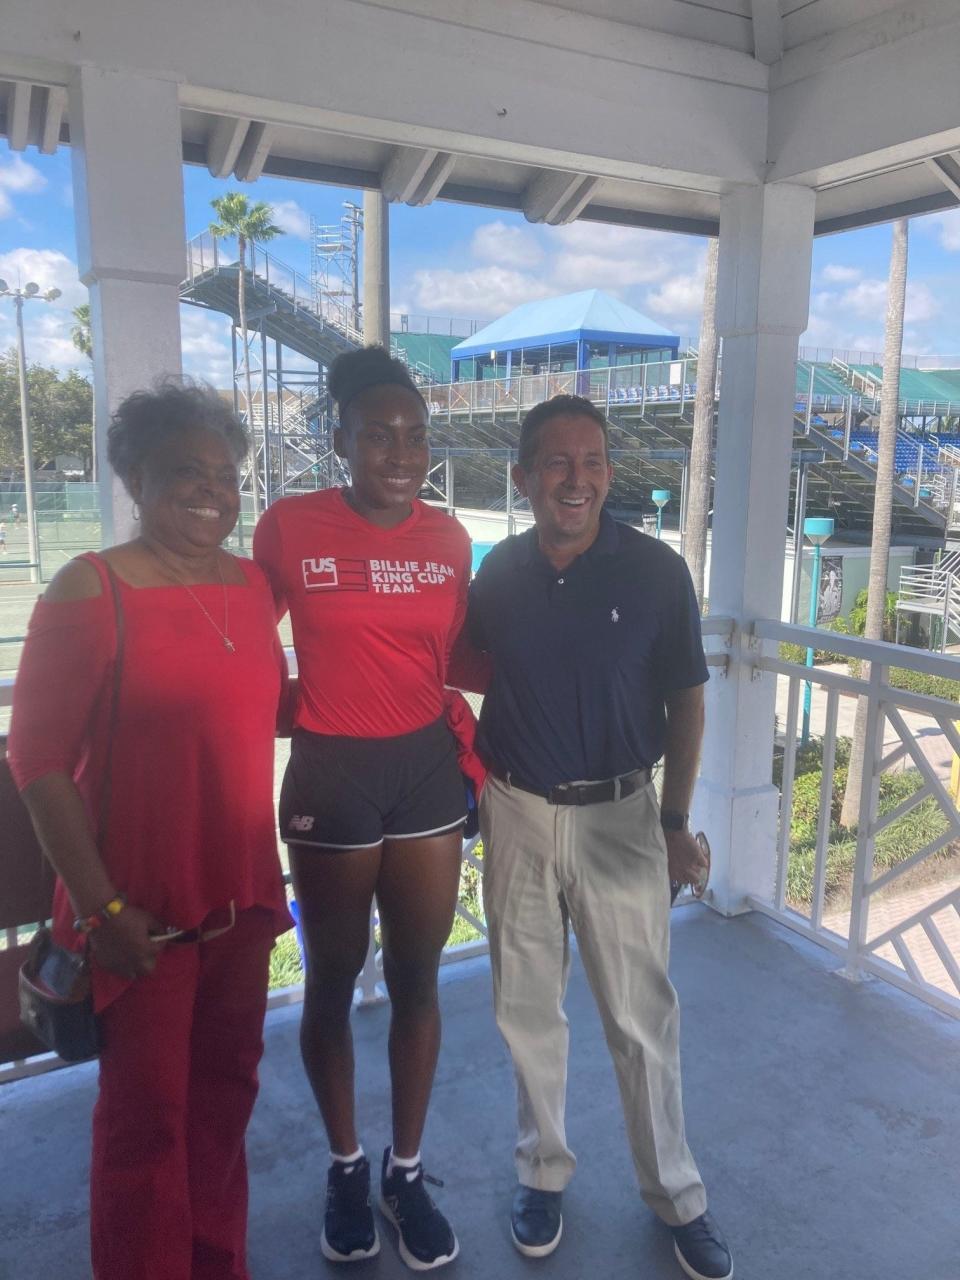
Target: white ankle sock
{"x": 402, "y": 1162}
{"x": 351, "y": 1159}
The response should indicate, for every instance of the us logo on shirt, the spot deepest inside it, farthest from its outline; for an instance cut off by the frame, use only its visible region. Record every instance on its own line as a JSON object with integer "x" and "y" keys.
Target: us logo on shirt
{"x": 327, "y": 573}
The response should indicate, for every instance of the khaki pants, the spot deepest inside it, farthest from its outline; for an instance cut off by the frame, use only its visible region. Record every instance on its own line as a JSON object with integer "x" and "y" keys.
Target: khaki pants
{"x": 601, "y": 868}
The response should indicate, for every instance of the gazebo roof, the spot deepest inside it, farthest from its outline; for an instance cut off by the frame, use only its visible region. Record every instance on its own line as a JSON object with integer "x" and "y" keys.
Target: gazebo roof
{"x": 589, "y": 315}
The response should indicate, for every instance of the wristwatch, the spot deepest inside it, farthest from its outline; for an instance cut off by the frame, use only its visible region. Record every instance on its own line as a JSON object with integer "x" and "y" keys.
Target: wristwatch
{"x": 673, "y": 820}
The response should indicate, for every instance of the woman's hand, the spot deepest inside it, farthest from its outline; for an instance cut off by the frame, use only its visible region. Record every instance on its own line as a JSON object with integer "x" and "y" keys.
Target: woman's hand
{"x": 123, "y": 946}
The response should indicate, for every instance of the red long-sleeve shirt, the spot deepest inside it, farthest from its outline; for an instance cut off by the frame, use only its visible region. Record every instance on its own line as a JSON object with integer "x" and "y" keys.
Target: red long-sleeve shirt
{"x": 374, "y": 611}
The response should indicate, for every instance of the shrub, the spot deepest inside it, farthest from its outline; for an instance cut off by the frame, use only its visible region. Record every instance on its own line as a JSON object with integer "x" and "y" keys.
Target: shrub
{"x": 893, "y": 845}
{"x": 285, "y": 970}
{"x": 914, "y": 681}
{"x": 798, "y": 653}
{"x": 858, "y": 615}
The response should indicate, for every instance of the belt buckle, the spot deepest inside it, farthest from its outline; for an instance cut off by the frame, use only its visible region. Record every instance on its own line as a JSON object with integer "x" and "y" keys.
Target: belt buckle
{"x": 564, "y": 793}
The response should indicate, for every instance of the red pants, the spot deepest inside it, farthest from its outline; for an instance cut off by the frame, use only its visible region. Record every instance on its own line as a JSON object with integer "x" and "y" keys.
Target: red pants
{"x": 178, "y": 1080}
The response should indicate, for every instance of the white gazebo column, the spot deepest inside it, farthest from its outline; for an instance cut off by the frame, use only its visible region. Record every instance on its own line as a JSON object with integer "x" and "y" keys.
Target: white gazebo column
{"x": 131, "y": 244}
{"x": 766, "y": 242}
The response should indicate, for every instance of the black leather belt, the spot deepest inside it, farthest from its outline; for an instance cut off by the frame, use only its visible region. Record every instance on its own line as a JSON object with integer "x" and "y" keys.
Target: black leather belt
{"x": 581, "y": 793}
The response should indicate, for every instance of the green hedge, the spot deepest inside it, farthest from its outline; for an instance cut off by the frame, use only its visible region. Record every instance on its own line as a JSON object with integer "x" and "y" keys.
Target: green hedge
{"x": 915, "y": 682}
{"x": 894, "y": 845}
{"x": 798, "y": 653}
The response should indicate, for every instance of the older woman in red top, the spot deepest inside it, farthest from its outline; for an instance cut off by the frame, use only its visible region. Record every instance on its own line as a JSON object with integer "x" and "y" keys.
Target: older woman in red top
{"x": 182, "y": 897}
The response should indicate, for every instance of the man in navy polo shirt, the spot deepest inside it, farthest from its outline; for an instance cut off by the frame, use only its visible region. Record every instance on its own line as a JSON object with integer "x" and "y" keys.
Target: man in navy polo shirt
{"x": 593, "y": 636}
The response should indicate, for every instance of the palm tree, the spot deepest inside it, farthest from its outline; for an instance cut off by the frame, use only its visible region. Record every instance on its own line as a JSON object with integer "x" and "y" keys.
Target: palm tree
{"x": 81, "y": 335}
{"x": 701, "y": 447}
{"x": 248, "y": 222}
{"x": 883, "y": 499}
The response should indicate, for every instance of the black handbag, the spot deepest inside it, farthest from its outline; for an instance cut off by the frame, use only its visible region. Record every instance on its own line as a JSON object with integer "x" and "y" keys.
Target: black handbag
{"x": 55, "y": 991}
{"x": 56, "y": 999}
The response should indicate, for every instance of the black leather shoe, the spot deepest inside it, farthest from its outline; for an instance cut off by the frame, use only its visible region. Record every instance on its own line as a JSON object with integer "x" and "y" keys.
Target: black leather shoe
{"x": 536, "y": 1223}
{"x": 702, "y": 1250}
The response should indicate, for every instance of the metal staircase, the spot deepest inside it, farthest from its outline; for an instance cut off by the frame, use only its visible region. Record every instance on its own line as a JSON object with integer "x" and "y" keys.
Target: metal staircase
{"x": 934, "y": 591}
{"x": 281, "y": 303}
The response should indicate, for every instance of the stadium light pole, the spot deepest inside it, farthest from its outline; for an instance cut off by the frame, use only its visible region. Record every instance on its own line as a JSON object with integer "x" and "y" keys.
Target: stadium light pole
{"x": 20, "y": 295}
{"x": 660, "y": 498}
{"x": 817, "y": 529}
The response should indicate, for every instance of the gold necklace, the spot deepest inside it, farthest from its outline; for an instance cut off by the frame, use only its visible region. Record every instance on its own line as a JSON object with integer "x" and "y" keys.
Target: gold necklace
{"x": 227, "y": 642}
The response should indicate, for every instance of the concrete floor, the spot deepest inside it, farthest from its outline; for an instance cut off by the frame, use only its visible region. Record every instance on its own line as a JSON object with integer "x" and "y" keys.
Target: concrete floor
{"x": 823, "y": 1114}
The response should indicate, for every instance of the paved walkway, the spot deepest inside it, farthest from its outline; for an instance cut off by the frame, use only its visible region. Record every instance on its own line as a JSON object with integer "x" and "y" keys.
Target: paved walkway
{"x": 888, "y": 909}
{"x": 823, "y": 1114}
{"x": 926, "y": 732}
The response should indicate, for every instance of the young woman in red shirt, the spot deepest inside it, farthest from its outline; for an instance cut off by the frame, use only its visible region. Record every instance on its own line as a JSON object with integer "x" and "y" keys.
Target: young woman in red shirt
{"x": 373, "y": 802}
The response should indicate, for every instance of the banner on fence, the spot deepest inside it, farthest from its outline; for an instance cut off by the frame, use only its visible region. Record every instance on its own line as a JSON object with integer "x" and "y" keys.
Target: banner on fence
{"x": 830, "y": 596}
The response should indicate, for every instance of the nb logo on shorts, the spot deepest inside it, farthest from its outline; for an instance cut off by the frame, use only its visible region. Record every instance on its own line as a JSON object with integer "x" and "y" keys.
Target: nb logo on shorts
{"x": 300, "y": 822}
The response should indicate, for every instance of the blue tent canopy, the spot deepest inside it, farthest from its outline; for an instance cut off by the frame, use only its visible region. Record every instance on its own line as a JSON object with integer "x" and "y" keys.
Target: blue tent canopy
{"x": 587, "y": 316}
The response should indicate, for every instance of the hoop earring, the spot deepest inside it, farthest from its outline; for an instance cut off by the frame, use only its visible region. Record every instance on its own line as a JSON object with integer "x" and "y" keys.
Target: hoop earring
{"x": 136, "y": 511}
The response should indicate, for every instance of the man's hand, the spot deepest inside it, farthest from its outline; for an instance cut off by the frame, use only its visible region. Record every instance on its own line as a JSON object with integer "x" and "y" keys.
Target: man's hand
{"x": 685, "y": 859}
{"x": 122, "y": 945}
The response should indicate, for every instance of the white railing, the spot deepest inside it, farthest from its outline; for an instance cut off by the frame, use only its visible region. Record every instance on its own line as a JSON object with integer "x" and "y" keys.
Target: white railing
{"x": 895, "y": 917}
{"x": 663, "y": 386}
{"x": 826, "y": 355}
{"x": 658, "y": 384}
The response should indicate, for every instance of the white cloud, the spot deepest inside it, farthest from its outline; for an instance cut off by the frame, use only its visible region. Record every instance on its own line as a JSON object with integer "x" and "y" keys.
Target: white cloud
{"x": 853, "y": 318}
{"x": 46, "y": 337}
{"x": 506, "y": 246}
{"x": 653, "y": 271}
{"x": 482, "y": 291}
{"x": 291, "y": 218}
{"x": 46, "y": 325}
{"x": 17, "y": 177}
{"x": 594, "y": 256}
{"x": 947, "y": 226}
{"x": 48, "y": 268}
{"x": 834, "y": 273}
{"x": 867, "y": 299}
{"x": 205, "y": 340}
{"x": 679, "y": 298}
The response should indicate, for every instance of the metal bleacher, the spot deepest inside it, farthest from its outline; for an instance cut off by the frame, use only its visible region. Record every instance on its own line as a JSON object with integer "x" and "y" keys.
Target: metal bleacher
{"x": 650, "y": 411}
{"x": 649, "y": 407}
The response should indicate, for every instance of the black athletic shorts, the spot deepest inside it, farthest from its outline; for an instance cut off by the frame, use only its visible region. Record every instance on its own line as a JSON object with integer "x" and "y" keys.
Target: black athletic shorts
{"x": 350, "y": 793}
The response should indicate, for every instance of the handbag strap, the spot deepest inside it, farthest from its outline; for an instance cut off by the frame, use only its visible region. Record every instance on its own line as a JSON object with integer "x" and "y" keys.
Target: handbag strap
{"x": 120, "y": 625}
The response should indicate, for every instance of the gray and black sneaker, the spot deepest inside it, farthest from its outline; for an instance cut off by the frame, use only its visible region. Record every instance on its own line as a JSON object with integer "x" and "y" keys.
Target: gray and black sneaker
{"x": 536, "y": 1222}
{"x": 426, "y": 1239}
{"x": 349, "y": 1231}
{"x": 702, "y": 1250}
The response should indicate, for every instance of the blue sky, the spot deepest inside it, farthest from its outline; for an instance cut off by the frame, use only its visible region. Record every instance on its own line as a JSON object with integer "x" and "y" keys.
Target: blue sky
{"x": 453, "y": 260}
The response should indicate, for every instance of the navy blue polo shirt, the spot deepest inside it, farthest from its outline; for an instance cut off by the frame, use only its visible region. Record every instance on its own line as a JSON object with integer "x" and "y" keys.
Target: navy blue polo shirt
{"x": 583, "y": 657}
